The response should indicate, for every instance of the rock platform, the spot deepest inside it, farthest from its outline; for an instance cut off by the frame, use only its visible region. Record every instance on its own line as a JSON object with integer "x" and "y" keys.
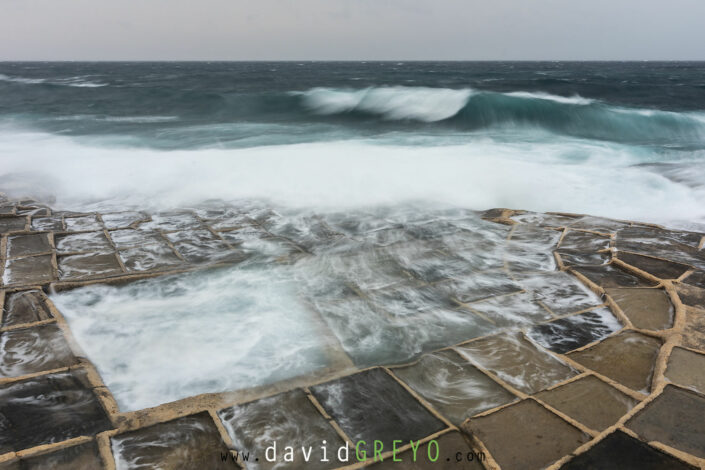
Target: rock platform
{"x": 587, "y": 346}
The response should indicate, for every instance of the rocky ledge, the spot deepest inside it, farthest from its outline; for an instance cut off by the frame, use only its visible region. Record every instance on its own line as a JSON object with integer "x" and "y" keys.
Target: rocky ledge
{"x": 581, "y": 345}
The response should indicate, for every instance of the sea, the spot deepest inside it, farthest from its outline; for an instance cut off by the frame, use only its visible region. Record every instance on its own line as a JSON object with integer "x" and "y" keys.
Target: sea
{"x": 616, "y": 139}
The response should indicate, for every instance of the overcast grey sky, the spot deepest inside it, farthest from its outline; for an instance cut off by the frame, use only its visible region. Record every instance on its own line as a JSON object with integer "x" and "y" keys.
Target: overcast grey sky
{"x": 351, "y": 29}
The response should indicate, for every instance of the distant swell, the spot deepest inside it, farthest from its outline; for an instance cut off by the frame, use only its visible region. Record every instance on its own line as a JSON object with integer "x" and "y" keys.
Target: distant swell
{"x": 78, "y": 82}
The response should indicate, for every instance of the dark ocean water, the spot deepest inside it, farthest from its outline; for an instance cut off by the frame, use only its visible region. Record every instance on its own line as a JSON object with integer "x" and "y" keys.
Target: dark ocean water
{"x": 616, "y": 139}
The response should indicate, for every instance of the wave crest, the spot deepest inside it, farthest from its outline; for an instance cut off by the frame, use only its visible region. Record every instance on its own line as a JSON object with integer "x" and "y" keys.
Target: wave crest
{"x": 396, "y": 103}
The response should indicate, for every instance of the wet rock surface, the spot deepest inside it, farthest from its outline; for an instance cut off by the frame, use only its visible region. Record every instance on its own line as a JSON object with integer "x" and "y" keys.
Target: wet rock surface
{"x": 47, "y": 409}
{"x": 628, "y": 358}
{"x": 190, "y": 443}
{"x": 602, "y": 321}
{"x": 589, "y": 401}
{"x": 373, "y": 406}
{"x": 526, "y": 435}
{"x": 619, "y": 450}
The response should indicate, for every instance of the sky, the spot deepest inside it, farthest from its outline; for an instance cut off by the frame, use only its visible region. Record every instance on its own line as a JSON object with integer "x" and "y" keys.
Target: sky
{"x": 352, "y": 29}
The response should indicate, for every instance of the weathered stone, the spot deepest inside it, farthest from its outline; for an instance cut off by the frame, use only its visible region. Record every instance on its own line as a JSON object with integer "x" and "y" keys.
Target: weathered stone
{"x": 660, "y": 268}
{"x": 130, "y": 238}
{"x": 696, "y": 279}
{"x": 149, "y": 257}
{"x": 691, "y": 295}
{"x": 611, "y": 276}
{"x": 25, "y": 307}
{"x": 88, "y": 223}
{"x": 598, "y": 224}
{"x": 674, "y": 418}
{"x": 12, "y": 224}
{"x": 45, "y": 409}
{"x": 118, "y": 220}
{"x": 371, "y": 406}
{"x": 658, "y": 236}
{"x": 472, "y": 288}
{"x": 687, "y": 369}
{"x": 28, "y": 350}
{"x": 454, "y": 387}
{"x": 79, "y": 457}
{"x": 526, "y": 436}
{"x": 623, "y": 452}
{"x": 627, "y": 358}
{"x": 576, "y": 331}
{"x": 289, "y": 419}
{"x": 521, "y": 258}
{"x": 199, "y": 246}
{"x": 694, "y": 330}
{"x": 648, "y": 309}
{"x": 83, "y": 242}
{"x": 52, "y": 224}
{"x": 88, "y": 266}
{"x": 511, "y": 310}
{"x": 28, "y": 271}
{"x": 559, "y": 291}
{"x": 589, "y": 401}
{"x": 172, "y": 221}
{"x": 188, "y": 443}
{"x": 578, "y": 258}
{"x": 25, "y": 245}
{"x": 517, "y": 361}
{"x": 584, "y": 242}
{"x": 453, "y": 451}
{"x": 544, "y": 220}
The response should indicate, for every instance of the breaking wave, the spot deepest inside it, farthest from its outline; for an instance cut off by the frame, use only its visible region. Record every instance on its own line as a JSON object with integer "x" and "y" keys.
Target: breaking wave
{"x": 472, "y": 109}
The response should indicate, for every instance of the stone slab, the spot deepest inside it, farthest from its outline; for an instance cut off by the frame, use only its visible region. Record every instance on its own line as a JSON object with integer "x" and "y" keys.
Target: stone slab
{"x": 694, "y": 329}
{"x": 648, "y": 309}
{"x": 627, "y": 357}
{"x": 188, "y": 443}
{"x": 28, "y": 271}
{"x": 52, "y": 224}
{"x": 25, "y": 307}
{"x": 454, "y": 387}
{"x": 611, "y": 276}
{"x": 687, "y": 369}
{"x": 12, "y": 224}
{"x": 526, "y": 436}
{"x": 79, "y": 457}
{"x": 371, "y": 405}
{"x": 674, "y": 418}
{"x": 660, "y": 268}
{"x": 87, "y": 266}
{"x": 26, "y": 351}
{"x": 26, "y": 245}
{"x": 289, "y": 419}
{"x": 559, "y": 291}
{"x": 517, "y": 361}
{"x": 691, "y": 295}
{"x": 87, "y": 223}
{"x": 589, "y": 401}
{"x": 584, "y": 242}
{"x": 575, "y": 331}
{"x": 83, "y": 242}
{"x": 620, "y": 451}
{"x": 45, "y": 409}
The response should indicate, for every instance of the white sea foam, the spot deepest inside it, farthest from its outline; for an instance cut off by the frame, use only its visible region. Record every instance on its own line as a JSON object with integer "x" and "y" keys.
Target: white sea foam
{"x": 575, "y": 99}
{"x": 551, "y": 174}
{"x": 413, "y": 103}
{"x": 166, "y": 339}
